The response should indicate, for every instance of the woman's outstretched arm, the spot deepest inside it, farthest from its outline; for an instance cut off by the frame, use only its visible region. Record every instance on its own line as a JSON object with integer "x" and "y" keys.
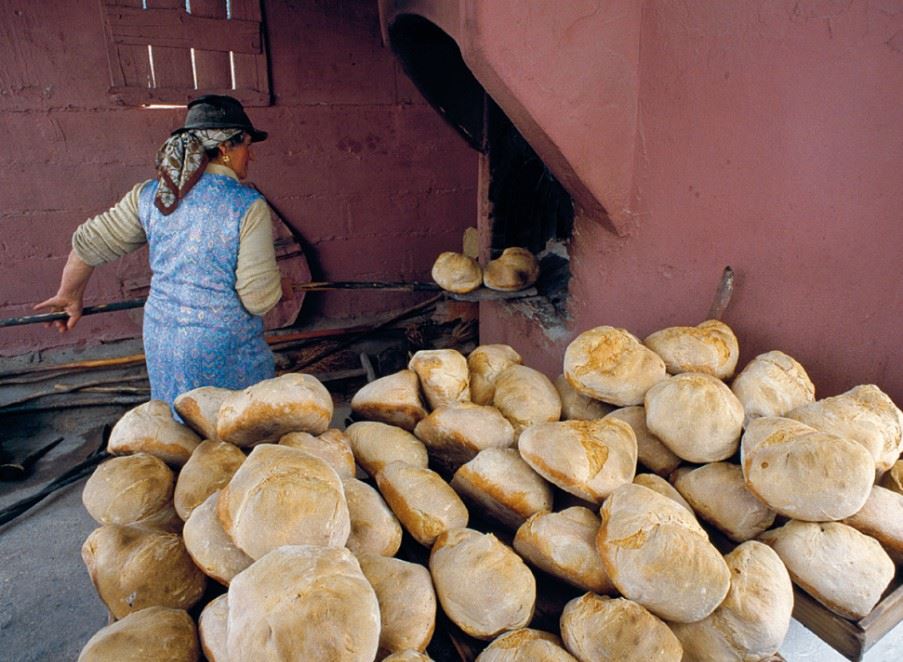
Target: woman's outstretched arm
{"x": 70, "y": 295}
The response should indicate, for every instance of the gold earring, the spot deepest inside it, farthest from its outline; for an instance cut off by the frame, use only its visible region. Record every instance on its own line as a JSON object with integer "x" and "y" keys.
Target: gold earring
{"x": 227, "y": 158}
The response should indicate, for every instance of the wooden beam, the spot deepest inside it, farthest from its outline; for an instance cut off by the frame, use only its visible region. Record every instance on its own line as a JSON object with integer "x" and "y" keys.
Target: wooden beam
{"x": 176, "y": 28}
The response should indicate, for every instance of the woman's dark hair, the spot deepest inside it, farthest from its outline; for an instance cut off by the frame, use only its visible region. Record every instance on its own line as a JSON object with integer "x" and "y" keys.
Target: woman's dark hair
{"x": 237, "y": 139}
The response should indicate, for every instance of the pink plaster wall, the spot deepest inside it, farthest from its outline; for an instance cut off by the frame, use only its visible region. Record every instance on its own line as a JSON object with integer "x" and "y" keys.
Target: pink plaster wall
{"x": 373, "y": 178}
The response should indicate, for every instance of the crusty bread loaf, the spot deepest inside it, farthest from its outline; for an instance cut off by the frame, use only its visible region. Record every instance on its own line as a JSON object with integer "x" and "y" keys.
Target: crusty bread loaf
{"x": 483, "y": 586}
{"x": 651, "y": 452}
{"x": 486, "y": 363}
{"x": 563, "y": 544}
{"x": 772, "y": 384}
{"x": 588, "y": 459}
{"x": 133, "y": 567}
{"x": 303, "y": 602}
{"x": 210, "y": 548}
{"x": 753, "y": 620}
{"x": 283, "y": 496}
{"x": 658, "y": 484}
{"x": 393, "y": 399}
{"x": 805, "y": 474}
{"x": 262, "y": 413}
{"x": 212, "y": 625}
{"x": 603, "y": 629}
{"x": 150, "y": 428}
{"x": 515, "y": 269}
{"x": 155, "y": 633}
{"x": 199, "y": 408}
{"x": 526, "y": 397}
{"x": 454, "y": 433}
{"x": 503, "y": 486}
{"x": 209, "y": 468}
{"x": 332, "y": 446}
{"x": 710, "y": 347}
{"x": 374, "y": 529}
{"x": 407, "y": 602}
{"x": 129, "y": 489}
{"x": 408, "y": 656}
{"x": 893, "y": 479}
{"x": 576, "y": 406}
{"x": 456, "y": 272}
{"x": 377, "y": 444}
{"x": 843, "y": 569}
{"x": 444, "y": 375}
{"x": 882, "y": 518}
{"x": 719, "y": 494}
{"x": 657, "y": 554}
{"x": 863, "y": 414}
{"x": 612, "y": 365}
{"x": 525, "y": 645}
{"x": 696, "y": 416}
{"x": 424, "y": 503}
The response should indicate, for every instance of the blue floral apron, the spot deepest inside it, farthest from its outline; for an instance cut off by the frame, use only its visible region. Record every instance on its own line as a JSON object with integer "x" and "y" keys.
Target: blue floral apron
{"x": 196, "y": 332}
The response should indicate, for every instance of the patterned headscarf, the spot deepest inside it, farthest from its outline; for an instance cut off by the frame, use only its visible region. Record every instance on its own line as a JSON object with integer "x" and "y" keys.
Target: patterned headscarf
{"x": 181, "y": 161}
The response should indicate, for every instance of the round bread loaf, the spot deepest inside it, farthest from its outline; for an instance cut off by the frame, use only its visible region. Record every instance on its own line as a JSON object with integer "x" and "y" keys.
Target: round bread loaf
{"x": 893, "y": 479}
{"x": 209, "y": 469}
{"x": 657, "y": 554}
{"x": 374, "y": 529}
{"x": 651, "y": 452}
{"x": 515, "y": 269}
{"x": 483, "y": 586}
{"x": 408, "y": 656}
{"x": 262, "y": 413}
{"x": 393, "y": 399}
{"x": 772, "y": 384}
{"x": 456, "y": 272}
{"x": 719, "y": 494}
{"x": 377, "y": 444}
{"x": 882, "y": 518}
{"x": 424, "y": 503}
{"x": 612, "y": 365}
{"x": 525, "y": 645}
{"x": 603, "y": 629}
{"x": 863, "y": 414}
{"x": 696, "y": 416}
{"x": 843, "y": 569}
{"x": 332, "y": 446}
{"x": 576, "y": 406}
{"x": 199, "y": 408}
{"x": 283, "y": 496}
{"x": 805, "y": 474}
{"x": 212, "y": 628}
{"x": 454, "y": 433}
{"x": 753, "y": 620}
{"x": 210, "y": 548}
{"x": 486, "y": 363}
{"x": 155, "y": 633}
{"x": 407, "y": 602}
{"x": 133, "y": 567}
{"x": 125, "y": 490}
{"x": 526, "y": 397}
{"x": 710, "y": 347}
{"x": 150, "y": 428}
{"x": 658, "y": 484}
{"x": 588, "y": 459}
{"x": 444, "y": 376}
{"x": 563, "y": 544}
{"x": 303, "y": 602}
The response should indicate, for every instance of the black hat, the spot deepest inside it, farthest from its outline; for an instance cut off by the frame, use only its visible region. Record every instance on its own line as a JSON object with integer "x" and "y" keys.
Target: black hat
{"x": 213, "y": 111}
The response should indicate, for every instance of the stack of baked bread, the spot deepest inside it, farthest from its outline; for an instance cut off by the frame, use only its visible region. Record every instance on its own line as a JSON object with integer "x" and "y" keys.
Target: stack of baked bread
{"x": 515, "y": 269}
{"x": 611, "y": 480}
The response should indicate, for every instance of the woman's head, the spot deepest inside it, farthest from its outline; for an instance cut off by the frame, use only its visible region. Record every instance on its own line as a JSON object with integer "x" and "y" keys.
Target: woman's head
{"x": 234, "y": 153}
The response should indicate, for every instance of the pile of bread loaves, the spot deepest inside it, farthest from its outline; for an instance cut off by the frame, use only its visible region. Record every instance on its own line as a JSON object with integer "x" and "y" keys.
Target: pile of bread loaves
{"x": 515, "y": 269}
{"x": 611, "y": 479}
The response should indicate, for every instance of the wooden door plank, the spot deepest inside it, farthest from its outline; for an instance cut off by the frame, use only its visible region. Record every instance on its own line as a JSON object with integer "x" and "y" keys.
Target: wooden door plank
{"x": 175, "y": 28}
{"x": 251, "y": 71}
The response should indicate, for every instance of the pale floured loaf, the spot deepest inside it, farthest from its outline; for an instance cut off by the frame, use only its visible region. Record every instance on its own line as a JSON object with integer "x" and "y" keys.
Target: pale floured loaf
{"x": 483, "y": 586}
{"x": 374, "y": 529}
{"x": 456, "y": 272}
{"x": 845, "y": 570}
{"x": 651, "y": 452}
{"x": 155, "y": 633}
{"x": 563, "y": 544}
{"x": 658, "y": 484}
{"x": 772, "y": 384}
{"x": 503, "y": 486}
{"x": 576, "y": 406}
{"x": 209, "y": 468}
{"x": 199, "y": 408}
{"x": 212, "y": 625}
{"x": 303, "y": 602}
{"x": 377, "y": 444}
{"x": 588, "y": 459}
{"x": 262, "y": 413}
{"x": 515, "y": 269}
{"x": 444, "y": 375}
{"x": 393, "y": 399}
{"x": 150, "y": 428}
{"x": 805, "y": 474}
{"x": 210, "y": 548}
{"x": 486, "y": 363}
{"x": 657, "y": 554}
{"x": 882, "y": 518}
{"x": 454, "y": 433}
{"x": 283, "y": 496}
{"x": 525, "y": 645}
{"x": 526, "y": 397}
{"x": 332, "y": 446}
{"x": 696, "y": 416}
{"x": 612, "y": 365}
{"x": 125, "y": 490}
{"x": 710, "y": 347}
{"x": 754, "y": 618}
{"x": 604, "y": 629}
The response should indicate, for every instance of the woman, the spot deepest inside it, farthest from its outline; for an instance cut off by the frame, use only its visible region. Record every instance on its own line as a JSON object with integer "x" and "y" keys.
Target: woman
{"x": 211, "y": 256}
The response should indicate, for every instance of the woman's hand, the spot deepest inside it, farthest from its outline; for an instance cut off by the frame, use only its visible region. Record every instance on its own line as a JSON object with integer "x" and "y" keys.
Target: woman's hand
{"x": 69, "y": 298}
